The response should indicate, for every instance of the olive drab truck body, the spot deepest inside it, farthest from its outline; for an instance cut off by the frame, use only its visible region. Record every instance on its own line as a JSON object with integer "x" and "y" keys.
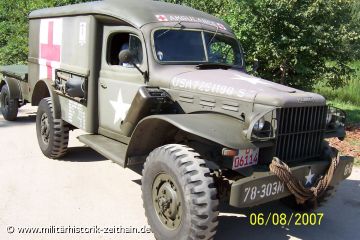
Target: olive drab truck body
{"x": 165, "y": 86}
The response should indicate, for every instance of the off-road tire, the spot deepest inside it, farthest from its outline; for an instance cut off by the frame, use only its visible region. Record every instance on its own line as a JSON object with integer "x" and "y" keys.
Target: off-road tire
{"x": 58, "y": 131}
{"x": 9, "y": 107}
{"x": 197, "y": 193}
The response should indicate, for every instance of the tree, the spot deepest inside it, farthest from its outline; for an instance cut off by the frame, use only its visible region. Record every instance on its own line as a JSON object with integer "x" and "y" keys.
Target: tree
{"x": 296, "y": 42}
{"x": 14, "y": 27}
{"x": 356, "y": 26}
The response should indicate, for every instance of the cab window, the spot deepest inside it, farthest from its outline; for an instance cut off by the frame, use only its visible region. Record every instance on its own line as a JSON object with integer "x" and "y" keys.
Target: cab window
{"x": 124, "y": 41}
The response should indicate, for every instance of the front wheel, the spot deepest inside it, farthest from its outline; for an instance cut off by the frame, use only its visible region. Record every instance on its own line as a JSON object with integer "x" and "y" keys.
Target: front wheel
{"x": 52, "y": 134}
{"x": 9, "y": 107}
{"x": 179, "y": 195}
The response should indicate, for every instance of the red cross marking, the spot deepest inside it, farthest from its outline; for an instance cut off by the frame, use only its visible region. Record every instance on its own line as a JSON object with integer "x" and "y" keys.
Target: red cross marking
{"x": 162, "y": 18}
{"x": 50, "y": 52}
{"x": 221, "y": 26}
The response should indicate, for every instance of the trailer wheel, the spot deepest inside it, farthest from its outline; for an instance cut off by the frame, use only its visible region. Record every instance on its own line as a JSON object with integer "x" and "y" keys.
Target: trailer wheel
{"x": 52, "y": 134}
{"x": 179, "y": 195}
{"x": 9, "y": 107}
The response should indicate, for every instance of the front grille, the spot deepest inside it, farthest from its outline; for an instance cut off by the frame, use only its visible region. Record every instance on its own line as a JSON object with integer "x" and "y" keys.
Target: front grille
{"x": 300, "y": 132}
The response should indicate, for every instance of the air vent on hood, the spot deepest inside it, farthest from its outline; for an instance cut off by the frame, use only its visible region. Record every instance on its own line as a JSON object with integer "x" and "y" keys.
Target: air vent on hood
{"x": 207, "y": 102}
{"x": 230, "y": 106}
{"x": 186, "y": 98}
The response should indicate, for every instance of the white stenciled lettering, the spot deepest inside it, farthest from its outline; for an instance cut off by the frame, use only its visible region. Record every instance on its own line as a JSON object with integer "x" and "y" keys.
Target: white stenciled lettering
{"x": 188, "y": 84}
{"x": 208, "y": 87}
{"x": 191, "y": 19}
{"x": 255, "y": 193}
{"x": 182, "y": 83}
{"x": 230, "y": 91}
{"x": 76, "y": 114}
{"x": 348, "y": 169}
{"x": 281, "y": 187}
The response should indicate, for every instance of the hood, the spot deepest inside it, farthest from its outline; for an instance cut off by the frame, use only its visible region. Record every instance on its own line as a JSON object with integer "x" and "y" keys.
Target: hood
{"x": 241, "y": 86}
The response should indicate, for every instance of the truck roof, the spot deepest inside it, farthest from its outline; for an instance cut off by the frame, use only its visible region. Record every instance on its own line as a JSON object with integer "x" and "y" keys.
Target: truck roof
{"x": 135, "y": 12}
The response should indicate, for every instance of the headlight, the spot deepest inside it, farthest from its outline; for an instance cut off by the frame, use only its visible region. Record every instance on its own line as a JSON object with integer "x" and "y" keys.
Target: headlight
{"x": 259, "y": 125}
{"x": 335, "y": 118}
{"x": 262, "y": 127}
{"x": 328, "y": 116}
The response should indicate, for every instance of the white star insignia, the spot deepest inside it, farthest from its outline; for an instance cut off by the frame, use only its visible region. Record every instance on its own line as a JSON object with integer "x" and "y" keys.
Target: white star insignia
{"x": 309, "y": 178}
{"x": 120, "y": 108}
{"x": 251, "y": 80}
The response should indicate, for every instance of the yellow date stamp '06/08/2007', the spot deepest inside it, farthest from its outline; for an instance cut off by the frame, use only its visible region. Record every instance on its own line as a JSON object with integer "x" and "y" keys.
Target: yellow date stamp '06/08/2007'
{"x": 286, "y": 219}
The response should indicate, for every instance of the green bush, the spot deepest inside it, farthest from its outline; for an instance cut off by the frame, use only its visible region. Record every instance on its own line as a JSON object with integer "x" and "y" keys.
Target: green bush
{"x": 349, "y": 93}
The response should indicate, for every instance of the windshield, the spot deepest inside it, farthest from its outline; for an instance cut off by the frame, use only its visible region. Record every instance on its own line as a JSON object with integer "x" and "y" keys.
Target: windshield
{"x": 189, "y": 46}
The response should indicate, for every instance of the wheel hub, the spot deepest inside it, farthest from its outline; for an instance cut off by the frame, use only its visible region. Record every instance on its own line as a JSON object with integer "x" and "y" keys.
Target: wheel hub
{"x": 45, "y": 129}
{"x": 167, "y": 201}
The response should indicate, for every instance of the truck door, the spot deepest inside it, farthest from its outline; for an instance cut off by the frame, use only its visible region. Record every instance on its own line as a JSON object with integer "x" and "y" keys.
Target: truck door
{"x": 118, "y": 84}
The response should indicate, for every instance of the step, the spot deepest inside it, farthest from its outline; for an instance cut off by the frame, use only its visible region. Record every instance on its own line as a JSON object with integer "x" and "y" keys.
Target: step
{"x": 109, "y": 148}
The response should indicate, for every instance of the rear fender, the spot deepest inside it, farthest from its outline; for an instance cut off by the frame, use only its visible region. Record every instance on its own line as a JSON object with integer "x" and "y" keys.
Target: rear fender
{"x": 14, "y": 87}
{"x": 44, "y": 89}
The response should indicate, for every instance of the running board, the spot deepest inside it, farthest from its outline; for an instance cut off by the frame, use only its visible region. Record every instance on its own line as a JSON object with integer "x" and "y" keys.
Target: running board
{"x": 107, "y": 147}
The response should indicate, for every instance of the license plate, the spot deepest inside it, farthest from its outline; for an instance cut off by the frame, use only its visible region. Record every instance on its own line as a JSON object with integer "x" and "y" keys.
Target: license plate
{"x": 246, "y": 158}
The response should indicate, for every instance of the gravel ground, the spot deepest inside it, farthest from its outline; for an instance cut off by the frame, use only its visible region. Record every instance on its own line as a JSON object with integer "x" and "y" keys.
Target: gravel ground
{"x": 84, "y": 190}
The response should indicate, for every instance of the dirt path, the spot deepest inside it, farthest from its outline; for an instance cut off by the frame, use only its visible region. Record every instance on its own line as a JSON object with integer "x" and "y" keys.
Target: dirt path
{"x": 351, "y": 145}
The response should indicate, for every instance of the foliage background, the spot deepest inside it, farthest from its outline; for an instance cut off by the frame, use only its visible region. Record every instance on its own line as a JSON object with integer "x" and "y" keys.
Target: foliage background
{"x": 14, "y": 27}
{"x": 297, "y": 42}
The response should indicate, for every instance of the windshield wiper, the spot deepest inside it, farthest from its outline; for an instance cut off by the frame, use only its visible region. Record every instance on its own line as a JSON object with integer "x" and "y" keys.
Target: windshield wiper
{"x": 213, "y": 37}
{"x": 206, "y": 66}
{"x": 171, "y": 28}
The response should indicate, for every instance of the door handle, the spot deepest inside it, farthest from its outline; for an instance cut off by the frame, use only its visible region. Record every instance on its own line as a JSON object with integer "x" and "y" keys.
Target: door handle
{"x": 103, "y": 85}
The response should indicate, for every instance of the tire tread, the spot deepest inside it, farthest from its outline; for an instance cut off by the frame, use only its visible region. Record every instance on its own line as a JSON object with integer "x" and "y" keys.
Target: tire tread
{"x": 198, "y": 182}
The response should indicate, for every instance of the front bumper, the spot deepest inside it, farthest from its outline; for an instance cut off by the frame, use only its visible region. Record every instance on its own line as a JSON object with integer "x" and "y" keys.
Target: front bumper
{"x": 263, "y": 186}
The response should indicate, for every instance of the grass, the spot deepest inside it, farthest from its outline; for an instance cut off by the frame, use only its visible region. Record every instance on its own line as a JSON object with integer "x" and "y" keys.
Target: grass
{"x": 347, "y": 97}
{"x": 348, "y": 94}
{"x": 352, "y": 110}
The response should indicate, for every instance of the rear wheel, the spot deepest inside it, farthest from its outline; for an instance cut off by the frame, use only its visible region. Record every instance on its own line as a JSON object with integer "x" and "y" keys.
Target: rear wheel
{"x": 179, "y": 195}
{"x": 52, "y": 134}
{"x": 9, "y": 107}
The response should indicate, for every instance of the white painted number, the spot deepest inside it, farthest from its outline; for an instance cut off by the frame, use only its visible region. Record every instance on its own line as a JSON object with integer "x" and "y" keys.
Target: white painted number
{"x": 267, "y": 190}
{"x": 82, "y": 34}
{"x": 348, "y": 169}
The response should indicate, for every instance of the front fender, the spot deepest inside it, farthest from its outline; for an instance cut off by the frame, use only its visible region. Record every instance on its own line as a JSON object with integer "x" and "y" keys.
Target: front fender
{"x": 218, "y": 128}
{"x": 221, "y": 129}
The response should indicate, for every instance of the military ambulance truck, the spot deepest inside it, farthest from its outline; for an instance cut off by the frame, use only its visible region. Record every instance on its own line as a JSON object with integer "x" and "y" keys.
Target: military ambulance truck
{"x": 164, "y": 86}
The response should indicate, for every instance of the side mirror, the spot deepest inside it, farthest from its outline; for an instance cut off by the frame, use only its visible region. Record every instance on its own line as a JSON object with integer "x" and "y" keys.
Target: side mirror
{"x": 256, "y": 65}
{"x": 125, "y": 56}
